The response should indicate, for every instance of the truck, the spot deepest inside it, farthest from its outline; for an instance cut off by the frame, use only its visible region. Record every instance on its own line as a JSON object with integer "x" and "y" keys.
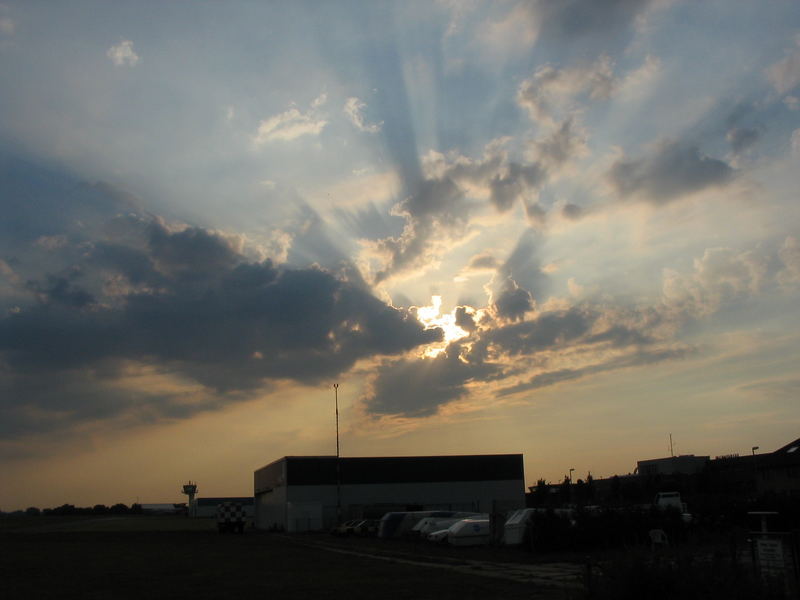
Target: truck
{"x": 230, "y": 517}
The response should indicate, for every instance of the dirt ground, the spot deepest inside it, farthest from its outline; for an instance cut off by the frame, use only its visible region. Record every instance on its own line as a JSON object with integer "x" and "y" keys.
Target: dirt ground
{"x": 155, "y": 557}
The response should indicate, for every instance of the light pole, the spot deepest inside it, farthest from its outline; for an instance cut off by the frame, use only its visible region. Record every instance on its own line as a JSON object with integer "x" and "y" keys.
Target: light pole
{"x": 338, "y": 474}
{"x": 336, "y": 395}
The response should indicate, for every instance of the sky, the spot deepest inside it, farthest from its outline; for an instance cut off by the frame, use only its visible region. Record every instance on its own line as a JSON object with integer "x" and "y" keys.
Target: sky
{"x": 566, "y": 229}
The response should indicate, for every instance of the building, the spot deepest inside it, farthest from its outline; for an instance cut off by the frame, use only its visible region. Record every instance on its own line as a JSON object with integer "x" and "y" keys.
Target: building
{"x": 302, "y": 493}
{"x": 685, "y": 464}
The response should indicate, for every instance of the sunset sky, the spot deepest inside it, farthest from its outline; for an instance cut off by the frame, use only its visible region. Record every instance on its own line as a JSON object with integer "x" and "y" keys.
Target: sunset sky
{"x": 561, "y": 228}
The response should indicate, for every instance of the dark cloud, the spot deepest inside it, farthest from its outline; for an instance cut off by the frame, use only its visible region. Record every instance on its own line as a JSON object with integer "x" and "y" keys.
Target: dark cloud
{"x": 184, "y": 300}
{"x": 742, "y": 138}
{"x": 495, "y": 351}
{"x": 418, "y": 387}
{"x": 548, "y": 330}
{"x": 523, "y": 266}
{"x": 40, "y": 201}
{"x": 673, "y": 170}
{"x": 513, "y": 302}
{"x": 482, "y": 261}
{"x": 570, "y": 19}
{"x": 437, "y": 206}
{"x": 516, "y": 181}
{"x": 464, "y": 319}
{"x": 549, "y": 378}
{"x": 573, "y": 212}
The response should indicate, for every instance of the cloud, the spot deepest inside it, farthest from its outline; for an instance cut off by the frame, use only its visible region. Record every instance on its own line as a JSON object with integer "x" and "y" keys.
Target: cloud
{"x": 721, "y": 276}
{"x": 530, "y": 347}
{"x": 573, "y": 212}
{"x": 742, "y": 138}
{"x": 433, "y": 211}
{"x": 291, "y": 124}
{"x": 354, "y": 108}
{"x": 123, "y": 55}
{"x": 418, "y": 387}
{"x": 483, "y": 262}
{"x": 550, "y": 93}
{"x": 549, "y": 378}
{"x": 513, "y": 302}
{"x": 438, "y": 211}
{"x": 569, "y": 19}
{"x": 566, "y": 143}
{"x": 670, "y": 171}
{"x": 784, "y": 75}
{"x": 141, "y": 294}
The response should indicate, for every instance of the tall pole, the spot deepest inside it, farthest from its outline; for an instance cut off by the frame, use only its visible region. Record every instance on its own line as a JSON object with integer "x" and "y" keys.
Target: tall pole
{"x": 338, "y": 473}
{"x": 336, "y": 394}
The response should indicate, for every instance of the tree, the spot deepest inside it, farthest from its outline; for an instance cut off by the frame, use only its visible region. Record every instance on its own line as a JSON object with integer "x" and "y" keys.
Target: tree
{"x": 32, "y": 511}
{"x": 541, "y": 492}
{"x": 119, "y": 509}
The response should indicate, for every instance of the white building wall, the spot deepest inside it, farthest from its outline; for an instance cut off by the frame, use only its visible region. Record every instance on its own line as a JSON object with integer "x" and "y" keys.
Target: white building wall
{"x": 271, "y": 509}
{"x": 478, "y": 496}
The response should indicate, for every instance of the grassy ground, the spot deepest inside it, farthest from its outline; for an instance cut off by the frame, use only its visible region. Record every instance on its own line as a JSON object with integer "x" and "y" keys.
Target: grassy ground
{"x": 151, "y": 557}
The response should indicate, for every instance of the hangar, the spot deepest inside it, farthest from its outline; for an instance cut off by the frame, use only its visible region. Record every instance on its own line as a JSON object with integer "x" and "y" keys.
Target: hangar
{"x": 306, "y": 493}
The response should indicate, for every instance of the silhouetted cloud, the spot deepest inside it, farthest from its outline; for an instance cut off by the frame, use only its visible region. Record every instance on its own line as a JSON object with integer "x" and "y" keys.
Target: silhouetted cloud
{"x": 575, "y": 18}
{"x": 482, "y": 262}
{"x": 181, "y": 299}
{"x": 742, "y": 138}
{"x": 672, "y": 170}
{"x": 513, "y": 302}
{"x": 549, "y": 378}
{"x": 418, "y": 387}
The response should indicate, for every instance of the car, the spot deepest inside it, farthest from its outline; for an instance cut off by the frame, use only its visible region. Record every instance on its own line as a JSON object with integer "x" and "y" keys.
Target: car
{"x": 439, "y": 537}
{"x": 346, "y": 528}
{"x": 366, "y": 528}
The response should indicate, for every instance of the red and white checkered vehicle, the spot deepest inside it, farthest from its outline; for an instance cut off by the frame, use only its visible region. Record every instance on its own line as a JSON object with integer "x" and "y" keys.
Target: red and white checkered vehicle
{"x": 230, "y": 517}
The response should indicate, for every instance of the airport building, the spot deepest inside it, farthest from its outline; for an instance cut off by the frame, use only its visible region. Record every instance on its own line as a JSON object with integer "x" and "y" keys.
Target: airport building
{"x": 307, "y": 493}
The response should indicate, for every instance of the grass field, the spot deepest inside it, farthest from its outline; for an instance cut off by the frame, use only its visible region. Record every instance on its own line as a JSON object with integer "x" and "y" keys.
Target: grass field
{"x": 152, "y": 557}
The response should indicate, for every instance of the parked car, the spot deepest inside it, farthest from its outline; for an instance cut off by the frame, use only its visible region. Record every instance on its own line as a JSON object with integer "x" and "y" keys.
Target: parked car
{"x": 366, "y": 528}
{"x": 346, "y": 528}
{"x": 439, "y": 537}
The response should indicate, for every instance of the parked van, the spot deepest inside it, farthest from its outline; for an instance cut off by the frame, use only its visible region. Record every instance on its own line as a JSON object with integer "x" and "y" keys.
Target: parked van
{"x": 469, "y": 532}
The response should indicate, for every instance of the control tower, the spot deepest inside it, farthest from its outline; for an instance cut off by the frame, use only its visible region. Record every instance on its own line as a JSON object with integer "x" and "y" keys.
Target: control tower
{"x": 190, "y": 489}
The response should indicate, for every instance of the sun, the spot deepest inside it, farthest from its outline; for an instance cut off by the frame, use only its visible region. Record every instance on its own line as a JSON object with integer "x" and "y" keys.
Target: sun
{"x": 431, "y": 317}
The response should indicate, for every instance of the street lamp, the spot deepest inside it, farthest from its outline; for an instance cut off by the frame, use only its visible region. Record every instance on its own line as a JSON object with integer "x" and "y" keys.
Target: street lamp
{"x": 754, "y": 448}
{"x": 338, "y": 473}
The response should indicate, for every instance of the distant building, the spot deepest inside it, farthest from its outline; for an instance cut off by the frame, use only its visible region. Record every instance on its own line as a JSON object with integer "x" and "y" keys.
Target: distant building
{"x": 751, "y": 475}
{"x": 300, "y": 493}
{"x": 207, "y": 507}
{"x": 685, "y": 464}
{"x": 779, "y": 472}
{"x": 163, "y": 509}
